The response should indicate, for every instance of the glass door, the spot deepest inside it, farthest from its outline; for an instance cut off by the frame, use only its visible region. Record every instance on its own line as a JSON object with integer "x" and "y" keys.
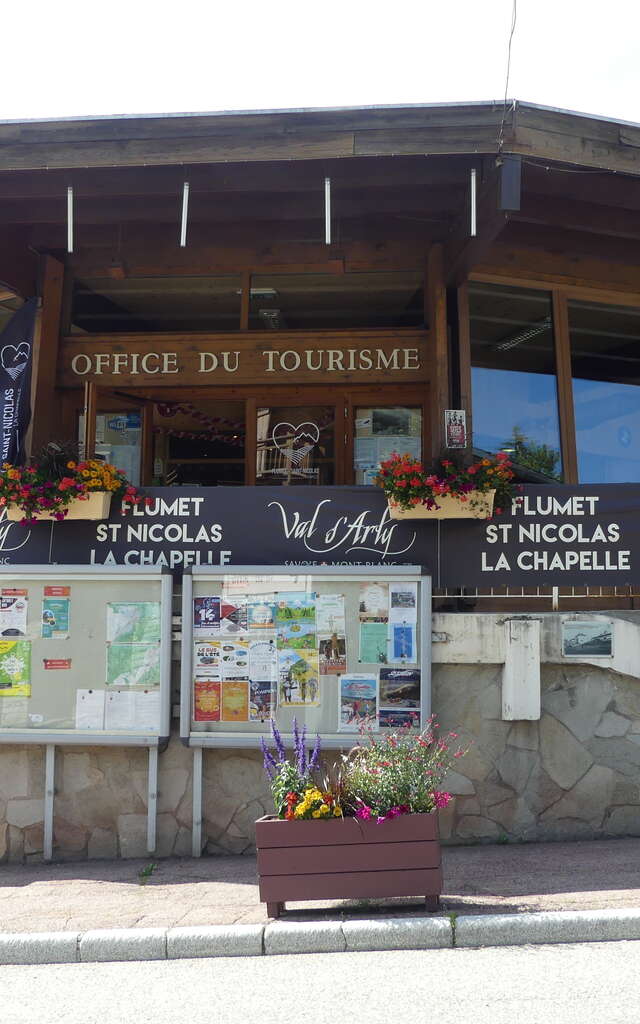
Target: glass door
{"x": 297, "y": 444}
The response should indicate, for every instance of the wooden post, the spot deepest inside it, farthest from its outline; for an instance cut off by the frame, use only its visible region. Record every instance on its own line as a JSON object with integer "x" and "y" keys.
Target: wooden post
{"x": 245, "y": 300}
{"x": 436, "y": 302}
{"x": 464, "y": 358}
{"x": 45, "y": 357}
{"x": 146, "y": 455}
{"x": 566, "y": 412}
{"x": 90, "y": 413}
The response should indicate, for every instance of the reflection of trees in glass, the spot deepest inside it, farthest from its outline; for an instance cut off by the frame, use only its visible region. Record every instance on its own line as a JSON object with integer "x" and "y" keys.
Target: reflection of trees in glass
{"x": 539, "y": 457}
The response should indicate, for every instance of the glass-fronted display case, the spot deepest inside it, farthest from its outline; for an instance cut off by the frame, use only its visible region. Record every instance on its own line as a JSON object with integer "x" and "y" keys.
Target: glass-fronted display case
{"x": 341, "y": 650}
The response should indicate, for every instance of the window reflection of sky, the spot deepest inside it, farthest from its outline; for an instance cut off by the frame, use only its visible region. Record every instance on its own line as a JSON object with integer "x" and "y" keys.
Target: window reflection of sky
{"x": 608, "y": 431}
{"x": 505, "y": 399}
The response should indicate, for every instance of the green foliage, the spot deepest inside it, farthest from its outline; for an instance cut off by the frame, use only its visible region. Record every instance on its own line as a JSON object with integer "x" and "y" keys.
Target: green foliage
{"x": 538, "y": 457}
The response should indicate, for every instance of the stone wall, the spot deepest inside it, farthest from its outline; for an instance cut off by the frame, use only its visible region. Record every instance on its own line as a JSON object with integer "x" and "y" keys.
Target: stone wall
{"x": 574, "y": 773}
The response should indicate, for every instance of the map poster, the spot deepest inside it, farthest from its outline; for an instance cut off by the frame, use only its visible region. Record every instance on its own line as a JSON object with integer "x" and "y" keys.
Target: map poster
{"x": 133, "y": 665}
{"x": 13, "y": 612}
{"x": 206, "y": 616}
{"x": 15, "y": 668}
{"x": 136, "y": 622}
{"x": 206, "y": 700}
{"x": 55, "y": 618}
{"x": 358, "y": 702}
{"x": 333, "y": 654}
{"x": 374, "y": 642}
{"x": 235, "y": 701}
{"x": 400, "y": 687}
{"x": 298, "y": 678}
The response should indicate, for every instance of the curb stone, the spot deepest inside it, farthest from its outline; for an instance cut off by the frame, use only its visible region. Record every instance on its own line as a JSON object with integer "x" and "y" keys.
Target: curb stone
{"x": 286, "y": 937}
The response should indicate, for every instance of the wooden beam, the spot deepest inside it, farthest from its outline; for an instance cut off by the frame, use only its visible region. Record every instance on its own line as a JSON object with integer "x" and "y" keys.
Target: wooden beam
{"x": 464, "y": 356}
{"x": 245, "y": 300}
{"x": 90, "y": 414}
{"x": 574, "y": 215}
{"x": 45, "y": 401}
{"x": 18, "y": 265}
{"x": 462, "y": 250}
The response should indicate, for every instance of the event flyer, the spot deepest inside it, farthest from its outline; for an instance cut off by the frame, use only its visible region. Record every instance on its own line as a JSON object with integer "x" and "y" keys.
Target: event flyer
{"x": 295, "y": 606}
{"x": 206, "y": 659}
{"x": 400, "y": 687}
{"x": 330, "y": 613}
{"x": 262, "y": 700}
{"x": 403, "y": 602}
{"x": 55, "y": 618}
{"x": 260, "y": 614}
{"x": 263, "y": 660}
{"x": 233, "y": 617}
{"x": 374, "y": 642}
{"x": 297, "y": 634}
{"x": 14, "y": 605}
{"x": 403, "y": 643}
{"x": 206, "y": 700}
{"x": 15, "y": 668}
{"x": 206, "y": 616}
{"x": 136, "y": 622}
{"x": 374, "y": 602}
{"x": 234, "y": 659}
{"x": 235, "y": 702}
{"x": 399, "y": 718}
{"x": 133, "y": 665}
{"x": 332, "y": 650}
{"x": 298, "y": 678}
{"x": 358, "y": 702}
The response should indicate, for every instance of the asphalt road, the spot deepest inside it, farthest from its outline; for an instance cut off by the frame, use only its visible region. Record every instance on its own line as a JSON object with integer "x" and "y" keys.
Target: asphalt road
{"x": 572, "y": 984}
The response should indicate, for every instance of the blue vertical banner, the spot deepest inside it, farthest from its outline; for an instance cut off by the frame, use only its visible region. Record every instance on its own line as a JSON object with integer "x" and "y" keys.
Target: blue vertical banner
{"x": 16, "y": 356}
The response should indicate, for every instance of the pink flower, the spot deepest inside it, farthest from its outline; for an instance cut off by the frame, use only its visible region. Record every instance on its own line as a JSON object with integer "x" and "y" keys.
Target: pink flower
{"x": 441, "y": 799}
{"x": 364, "y": 813}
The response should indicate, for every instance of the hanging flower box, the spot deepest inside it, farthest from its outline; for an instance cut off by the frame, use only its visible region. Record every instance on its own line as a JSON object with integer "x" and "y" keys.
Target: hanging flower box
{"x": 474, "y": 490}
{"x": 478, "y": 505}
{"x": 348, "y": 859}
{"x": 95, "y": 506}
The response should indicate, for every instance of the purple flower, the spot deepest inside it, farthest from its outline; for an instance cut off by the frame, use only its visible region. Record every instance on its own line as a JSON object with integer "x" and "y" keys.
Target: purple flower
{"x": 314, "y": 760}
{"x": 277, "y": 739}
{"x": 268, "y": 760}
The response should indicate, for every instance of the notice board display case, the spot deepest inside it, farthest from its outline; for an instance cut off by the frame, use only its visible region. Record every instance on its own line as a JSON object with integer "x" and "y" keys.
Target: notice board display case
{"x": 337, "y": 648}
{"x": 85, "y": 655}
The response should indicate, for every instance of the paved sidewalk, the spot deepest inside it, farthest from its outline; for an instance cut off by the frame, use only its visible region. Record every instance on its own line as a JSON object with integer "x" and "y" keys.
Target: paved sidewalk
{"x": 479, "y": 880}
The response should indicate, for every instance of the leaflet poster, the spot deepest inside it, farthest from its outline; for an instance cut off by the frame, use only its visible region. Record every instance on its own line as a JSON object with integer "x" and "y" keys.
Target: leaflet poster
{"x": 400, "y": 687}
{"x": 235, "y": 701}
{"x": 233, "y": 617}
{"x": 297, "y": 634}
{"x": 358, "y": 696}
{"x": 55, "y": 618}
{"x": 15, "y": 668}
{"x": 206, "y": 659}
{"x": 262, "y": 700}
{"x": 206, "y": 616}
{"x": 333, "y": 654}
{"x": 13, "y": 612}
{"x": 206, "y": 701}
{"x": 374, "y": 602}
{"x": 330, "y": 613}
{"x": 374, "y": 642}
{"x": 234, "y": 659}
{"x": 298, "y": 678}
{"x": 403, "y": 643}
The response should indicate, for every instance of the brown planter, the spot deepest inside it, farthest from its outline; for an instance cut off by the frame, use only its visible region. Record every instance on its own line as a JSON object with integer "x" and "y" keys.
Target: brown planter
{"x": 348, "y": 859}
{"x": 478, "y": 506}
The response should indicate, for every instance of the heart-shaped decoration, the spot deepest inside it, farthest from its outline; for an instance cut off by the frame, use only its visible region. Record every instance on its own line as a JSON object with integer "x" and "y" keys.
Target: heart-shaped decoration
{"x": 14, "y": 358}
{"x": 295, "y": 442}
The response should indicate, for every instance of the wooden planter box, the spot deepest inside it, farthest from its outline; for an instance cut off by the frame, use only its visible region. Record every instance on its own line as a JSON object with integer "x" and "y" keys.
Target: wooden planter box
{"x": 96, "y": 506}
{"x": 478, "y": 506}
{"x": 348, "y": 859}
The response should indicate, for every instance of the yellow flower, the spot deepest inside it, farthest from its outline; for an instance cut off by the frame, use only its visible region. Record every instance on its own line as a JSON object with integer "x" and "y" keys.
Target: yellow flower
{"x": 337, "y": 812}
{"x": 323, "y": 810}
{"x": 71, "y": 465}
{"x": 315, "y": 814}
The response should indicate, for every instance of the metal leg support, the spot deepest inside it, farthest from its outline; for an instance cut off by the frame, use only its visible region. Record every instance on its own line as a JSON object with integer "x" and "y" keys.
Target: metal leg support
{"x": 152, "y": 805}
{"x": 49, "y": 792}
{"x": 196, "y": 832}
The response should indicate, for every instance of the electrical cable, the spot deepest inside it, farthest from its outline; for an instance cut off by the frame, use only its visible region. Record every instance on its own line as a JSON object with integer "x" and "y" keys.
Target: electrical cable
{"x": 514, "y": 16}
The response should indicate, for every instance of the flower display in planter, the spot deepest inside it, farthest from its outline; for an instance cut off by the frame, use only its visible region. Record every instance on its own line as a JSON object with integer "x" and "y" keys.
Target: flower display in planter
{"x": 475, "y": 491}
{"x": 380, "y": 778}
{"x": 56, "y": 485}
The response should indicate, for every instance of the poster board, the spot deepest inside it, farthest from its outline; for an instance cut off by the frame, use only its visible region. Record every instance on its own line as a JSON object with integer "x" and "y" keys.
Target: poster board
{"x": 85, "y": 655}
{"x": 337, "y": 648}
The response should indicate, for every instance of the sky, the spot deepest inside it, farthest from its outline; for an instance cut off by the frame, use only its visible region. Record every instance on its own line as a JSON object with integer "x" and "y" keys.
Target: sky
{"x": 76, "y": 58}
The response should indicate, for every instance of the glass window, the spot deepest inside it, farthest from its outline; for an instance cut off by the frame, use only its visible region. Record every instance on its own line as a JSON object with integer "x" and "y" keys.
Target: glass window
{"x": 296, "y": 445}
{"x": 284, "y": 302}
{"x": 605, "y": 364}
{"x": 156, "y": 304}
{"x": 381, "y": 431}
{"x": 513, "y": 376}
{"x": 203, "y": 445}
{"x": 118, "y": 440}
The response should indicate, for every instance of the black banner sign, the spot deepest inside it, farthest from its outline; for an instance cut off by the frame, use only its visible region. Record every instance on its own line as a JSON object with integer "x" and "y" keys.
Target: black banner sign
{"x": 554, "y": 536}
{"x": 16, "y": 353}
